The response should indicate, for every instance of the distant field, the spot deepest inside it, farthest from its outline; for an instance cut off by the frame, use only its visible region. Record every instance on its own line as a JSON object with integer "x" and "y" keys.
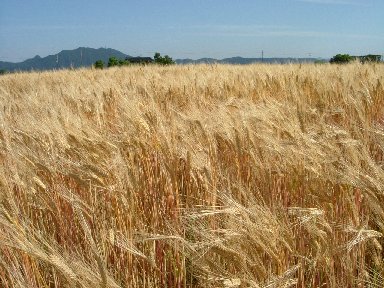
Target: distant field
{"x": 193, "y": 176}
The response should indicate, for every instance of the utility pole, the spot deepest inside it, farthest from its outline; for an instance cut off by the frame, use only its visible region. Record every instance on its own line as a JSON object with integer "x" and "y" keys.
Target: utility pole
{"x": 57, "y": 61}
{"x": 262, "y": 55}
{"x": 81, "y": 57}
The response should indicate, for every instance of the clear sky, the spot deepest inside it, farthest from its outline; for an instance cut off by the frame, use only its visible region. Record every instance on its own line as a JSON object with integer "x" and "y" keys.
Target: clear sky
{"x": 193, "y": 28}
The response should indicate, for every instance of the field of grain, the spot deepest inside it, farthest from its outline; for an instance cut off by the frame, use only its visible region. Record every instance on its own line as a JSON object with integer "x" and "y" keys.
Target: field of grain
{"x": 193, "y": 176}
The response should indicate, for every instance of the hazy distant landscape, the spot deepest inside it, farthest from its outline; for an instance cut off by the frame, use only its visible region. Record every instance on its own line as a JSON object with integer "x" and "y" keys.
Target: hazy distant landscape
{"x": 86, "y": 57}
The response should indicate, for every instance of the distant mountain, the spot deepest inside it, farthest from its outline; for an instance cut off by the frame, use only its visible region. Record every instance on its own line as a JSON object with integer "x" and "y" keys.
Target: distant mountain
{"x": 80, "y": 57}
{"x": 198, "y": 61}
{"x": 240, "y": 60}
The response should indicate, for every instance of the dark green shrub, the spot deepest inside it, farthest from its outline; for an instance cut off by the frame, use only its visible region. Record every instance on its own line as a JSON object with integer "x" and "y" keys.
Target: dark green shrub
{"x": 113, "y": 61}
{"x": 341, "y": 58}
{"x": 166, "y": 60}
{"x": 99, "y": 64}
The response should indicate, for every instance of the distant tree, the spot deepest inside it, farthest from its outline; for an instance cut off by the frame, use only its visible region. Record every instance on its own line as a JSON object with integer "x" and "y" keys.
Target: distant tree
{"x": 3, "y": 71}
{"x": 371, "y": 58}
{"x": 139, "y": 60}
{"x": 99, "y": 64}
{"x": 342, "y": 58}
{"x": 123, "y": 62}
{"x": 113, "y": 61}
{"x": 157, "y": 57}
{"x": 166, "y": 60}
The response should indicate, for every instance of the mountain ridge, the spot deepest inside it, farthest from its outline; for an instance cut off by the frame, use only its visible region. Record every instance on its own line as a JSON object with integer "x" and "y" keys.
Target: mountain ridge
{"x": 238, "y": 60}
{"x": 76, "y": 58}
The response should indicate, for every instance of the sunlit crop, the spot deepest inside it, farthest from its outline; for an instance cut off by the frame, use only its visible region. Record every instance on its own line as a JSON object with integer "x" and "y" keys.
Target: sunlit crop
{"x": 193, "y": 176}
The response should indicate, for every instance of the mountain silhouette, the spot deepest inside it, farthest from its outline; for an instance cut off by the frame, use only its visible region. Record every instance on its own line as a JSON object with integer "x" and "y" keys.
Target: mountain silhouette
{"x": 80, "y": 57}
{"x": 244, "y": 61}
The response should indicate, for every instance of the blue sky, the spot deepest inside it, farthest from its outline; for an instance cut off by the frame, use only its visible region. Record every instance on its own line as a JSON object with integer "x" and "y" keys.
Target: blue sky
{"x": 194, "y": 28}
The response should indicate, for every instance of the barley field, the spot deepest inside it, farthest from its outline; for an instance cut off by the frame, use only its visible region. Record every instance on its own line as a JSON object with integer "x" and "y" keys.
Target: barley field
{"x": 193, "y": 176}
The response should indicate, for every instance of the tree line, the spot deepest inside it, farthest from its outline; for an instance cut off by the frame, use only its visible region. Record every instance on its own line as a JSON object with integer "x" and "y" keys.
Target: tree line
{"x": 346, "y": 58}
{"x": 157, "y": 59}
